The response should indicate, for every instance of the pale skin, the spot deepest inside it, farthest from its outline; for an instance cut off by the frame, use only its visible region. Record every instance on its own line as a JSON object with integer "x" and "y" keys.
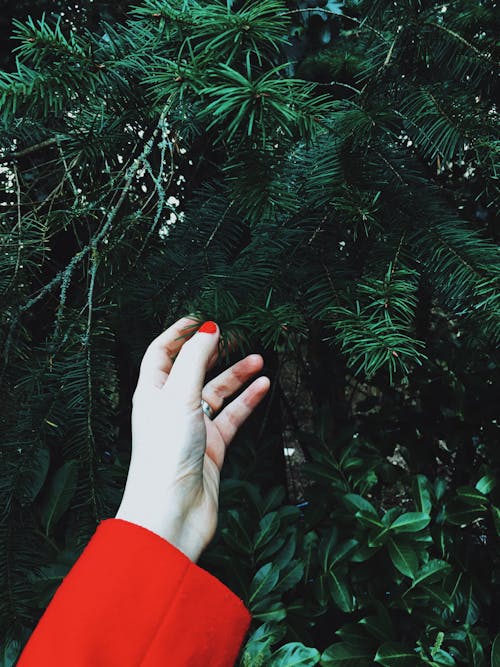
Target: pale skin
{"x": 177, "y": 450}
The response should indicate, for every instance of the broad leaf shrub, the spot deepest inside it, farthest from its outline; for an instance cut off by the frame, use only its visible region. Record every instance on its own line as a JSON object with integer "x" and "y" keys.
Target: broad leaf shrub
{"x": 348, "y": 578}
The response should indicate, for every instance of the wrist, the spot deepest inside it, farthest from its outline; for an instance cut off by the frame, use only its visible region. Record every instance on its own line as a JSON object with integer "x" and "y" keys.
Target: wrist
{"x": 172, "y": 529}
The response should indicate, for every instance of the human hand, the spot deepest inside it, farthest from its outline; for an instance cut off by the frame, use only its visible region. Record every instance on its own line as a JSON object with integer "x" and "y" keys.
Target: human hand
{"x": 177, "y": 450}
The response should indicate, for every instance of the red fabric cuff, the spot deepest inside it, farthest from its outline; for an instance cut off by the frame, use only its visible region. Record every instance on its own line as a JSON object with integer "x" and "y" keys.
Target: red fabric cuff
{"x": 133, "y": 599}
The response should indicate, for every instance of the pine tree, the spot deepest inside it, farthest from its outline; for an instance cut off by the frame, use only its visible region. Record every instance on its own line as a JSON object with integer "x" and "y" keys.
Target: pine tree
{"x": 185, "y": 160}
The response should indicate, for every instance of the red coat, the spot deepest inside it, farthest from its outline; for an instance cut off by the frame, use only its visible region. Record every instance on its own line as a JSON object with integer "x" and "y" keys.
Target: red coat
{"x": 133, "y": 599}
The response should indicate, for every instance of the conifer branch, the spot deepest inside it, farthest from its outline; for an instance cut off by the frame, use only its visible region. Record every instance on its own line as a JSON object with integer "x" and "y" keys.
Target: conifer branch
{"x": 484, "y": 56}
{"x": 64, "y": 276}
{"x": 51, "y": 141}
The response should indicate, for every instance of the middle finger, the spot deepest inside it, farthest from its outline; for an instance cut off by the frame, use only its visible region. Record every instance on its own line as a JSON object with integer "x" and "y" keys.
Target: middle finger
{"x": 231, "y": 380}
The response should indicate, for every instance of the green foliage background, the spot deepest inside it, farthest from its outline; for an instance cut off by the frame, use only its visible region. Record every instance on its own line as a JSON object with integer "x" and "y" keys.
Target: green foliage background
{"x": 322, "y": 180}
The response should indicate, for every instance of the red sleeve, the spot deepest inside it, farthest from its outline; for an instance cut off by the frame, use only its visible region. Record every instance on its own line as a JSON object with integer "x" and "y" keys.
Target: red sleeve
{"x": 133, "y": 599}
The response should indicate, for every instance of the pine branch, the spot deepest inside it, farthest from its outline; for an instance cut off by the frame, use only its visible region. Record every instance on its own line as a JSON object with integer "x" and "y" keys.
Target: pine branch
{"x": 64, "y": 276}
{"x": 486, "y": 57}
{"x": 51, "y": 141}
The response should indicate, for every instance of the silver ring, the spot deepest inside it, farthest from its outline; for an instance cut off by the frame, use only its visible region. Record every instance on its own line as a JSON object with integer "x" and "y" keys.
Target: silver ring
{"x": 207, "y": 409}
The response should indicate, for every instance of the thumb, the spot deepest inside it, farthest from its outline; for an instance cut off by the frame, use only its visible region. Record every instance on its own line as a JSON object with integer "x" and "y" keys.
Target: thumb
{"x": 187, "y": 375}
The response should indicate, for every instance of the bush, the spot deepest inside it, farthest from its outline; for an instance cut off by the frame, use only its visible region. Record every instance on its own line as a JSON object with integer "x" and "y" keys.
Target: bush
{"x": 401, "y": 577}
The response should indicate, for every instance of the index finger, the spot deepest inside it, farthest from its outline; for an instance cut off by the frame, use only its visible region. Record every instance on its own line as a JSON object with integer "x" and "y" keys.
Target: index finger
{"x": 160, "y": 354}
{"x": 158, "y": 358}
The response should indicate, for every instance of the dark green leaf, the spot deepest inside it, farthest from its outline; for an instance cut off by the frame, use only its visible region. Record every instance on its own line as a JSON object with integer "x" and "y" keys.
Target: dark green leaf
{"x": 379, "y": 626}
{"x": 392, "y": 654}
{"x": 461, "y": 515}
{"x": 269, "y": 613}
{"x": 352, "y": 633}
{"x": 326, "y": 549}
{"x": 422, "y": 493}
{"x": 274, "y": 545}
{"x": 439, "y": 487}
{"x": 486, "y": 484}
{"x": 345, "y": 655}
{"x": 431, "y": 571}
{"x": 269, "y": 526}
{"x": 295, "y": 654}
{"x": 353, "y": 501}
{"x": 286, "y": 554}
{"x": 471, "y": 603}
{"x": 343, "y": 550}
{"x": 9, "y": 653}
{"x": 263, "y": 582}
{"x": 364, "y": 553}
{"x": 320, "y": 589}
{"x": 475, "y": 651}
{"x": 273, "y": 500}
{"x": 496, "y": 518}
{"x": 438, "y": 595}
{"x": 472, "y": 497}
{"x": 290, "y": 576}
{"x": 495, "y": 652}
{"x": 340, "y": 592}
{"x": 235, "y": 535}
{"x": 403, "y": 557}
{"x": 411, "y": 522}
{"x": 442, "y": 658}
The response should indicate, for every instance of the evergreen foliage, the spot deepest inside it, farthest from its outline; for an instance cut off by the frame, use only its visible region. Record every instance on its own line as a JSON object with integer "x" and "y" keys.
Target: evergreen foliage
{"x": 331, "y": 204}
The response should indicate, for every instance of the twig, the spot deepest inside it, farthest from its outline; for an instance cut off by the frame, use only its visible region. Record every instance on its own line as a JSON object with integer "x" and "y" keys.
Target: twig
{"x": 318, "y": 229}
{"x": 30, "y": 149}
{"x": 330, "y": 281}
{"x": 398, "y": 251}
{"x": 19, "y": 225}
{"x": 216, "y": 229}
{"x": 94, "y": 258}
{"x": 343, "y": 16}
{"x": 484, "y": 56}
{"x": 340, "y": 83}
{"x": 398, "y": 175}
{"x": 389, "y": 53}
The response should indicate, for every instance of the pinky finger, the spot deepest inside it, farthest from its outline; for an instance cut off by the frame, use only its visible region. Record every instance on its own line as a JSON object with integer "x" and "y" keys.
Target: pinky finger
{"x": 229, "y": 420}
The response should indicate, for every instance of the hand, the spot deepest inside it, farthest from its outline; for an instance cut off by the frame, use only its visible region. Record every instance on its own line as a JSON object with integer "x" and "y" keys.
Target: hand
{"x": 177, "y": 451}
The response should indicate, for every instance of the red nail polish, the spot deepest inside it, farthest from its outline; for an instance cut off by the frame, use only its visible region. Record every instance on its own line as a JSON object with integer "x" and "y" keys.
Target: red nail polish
{"x": 208, "y": 327}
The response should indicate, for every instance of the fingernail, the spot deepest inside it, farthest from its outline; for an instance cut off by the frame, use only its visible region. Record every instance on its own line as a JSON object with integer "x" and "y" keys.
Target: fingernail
{"x": 208, "y": 327}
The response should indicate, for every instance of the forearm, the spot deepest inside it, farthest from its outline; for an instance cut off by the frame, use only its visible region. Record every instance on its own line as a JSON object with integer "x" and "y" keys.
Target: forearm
{"x": 134, "y": 600}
